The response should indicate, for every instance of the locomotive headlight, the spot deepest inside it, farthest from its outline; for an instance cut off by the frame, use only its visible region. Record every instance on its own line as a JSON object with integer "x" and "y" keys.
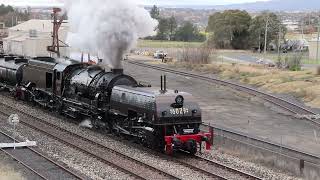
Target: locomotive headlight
{"x": 179, "y": 99}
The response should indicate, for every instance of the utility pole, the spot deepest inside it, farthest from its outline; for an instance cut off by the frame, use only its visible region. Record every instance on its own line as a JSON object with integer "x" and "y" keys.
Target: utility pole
{"x": 317, "y": 57}
{"x": 266, "y": 35}
{"x": 12, "y": 21}
{"x": 309, "y": 19}
{"x": 259, "y": 42}
{"x": 279, "y": 37}
{"x": 302, "y": 29}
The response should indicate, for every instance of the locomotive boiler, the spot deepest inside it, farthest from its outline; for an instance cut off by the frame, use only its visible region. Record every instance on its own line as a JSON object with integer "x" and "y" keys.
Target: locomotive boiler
{"x": 11, "y": 69}
{"x": 164, "y": 119}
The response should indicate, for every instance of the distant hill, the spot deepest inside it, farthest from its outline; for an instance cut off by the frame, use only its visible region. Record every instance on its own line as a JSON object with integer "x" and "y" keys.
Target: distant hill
{"x": 273, "y": 5}
{"x": 276, "y": 5}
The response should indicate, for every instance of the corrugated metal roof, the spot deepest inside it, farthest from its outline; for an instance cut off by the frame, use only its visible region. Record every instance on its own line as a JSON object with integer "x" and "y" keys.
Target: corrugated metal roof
{"x": 36, "y": 24}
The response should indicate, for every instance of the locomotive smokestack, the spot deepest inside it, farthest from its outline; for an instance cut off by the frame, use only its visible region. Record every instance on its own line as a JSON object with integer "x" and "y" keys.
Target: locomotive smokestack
{"x": 163, "y": 80}
{"x": 117, "y": 71}
{"x": 164, "y": 83}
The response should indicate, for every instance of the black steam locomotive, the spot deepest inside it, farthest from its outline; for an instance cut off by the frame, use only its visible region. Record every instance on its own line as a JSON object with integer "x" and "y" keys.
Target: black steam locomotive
{"x": 163, "y": 119}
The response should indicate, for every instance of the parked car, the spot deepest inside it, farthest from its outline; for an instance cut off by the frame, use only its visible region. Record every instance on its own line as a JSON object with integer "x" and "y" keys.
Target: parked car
{"x": 159, "y": 54}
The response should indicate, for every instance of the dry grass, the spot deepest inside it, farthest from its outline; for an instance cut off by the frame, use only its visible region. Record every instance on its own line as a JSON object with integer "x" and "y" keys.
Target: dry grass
{"x": 9, "y": 173}
{"x": 301, "y": 84}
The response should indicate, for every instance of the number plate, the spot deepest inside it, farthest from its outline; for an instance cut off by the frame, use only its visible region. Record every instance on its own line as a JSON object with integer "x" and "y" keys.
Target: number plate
{"x": 179, "y": 111}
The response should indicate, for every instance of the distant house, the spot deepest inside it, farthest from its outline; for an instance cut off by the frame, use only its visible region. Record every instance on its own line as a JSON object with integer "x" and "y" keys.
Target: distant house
{"x": 291, "y": 25}
{"x": 31, "y": 38}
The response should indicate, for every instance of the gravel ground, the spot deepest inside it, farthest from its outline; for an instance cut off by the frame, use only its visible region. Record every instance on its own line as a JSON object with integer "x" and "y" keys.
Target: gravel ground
{"x": 75, "y": 161}
{"x": 80, "y": 162}
{"x": 249, "y": 167}
{"x": 144, "y": 156}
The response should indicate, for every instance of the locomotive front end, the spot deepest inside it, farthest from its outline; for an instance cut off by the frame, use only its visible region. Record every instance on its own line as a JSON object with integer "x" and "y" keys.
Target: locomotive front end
{"x": 180, "y": 116}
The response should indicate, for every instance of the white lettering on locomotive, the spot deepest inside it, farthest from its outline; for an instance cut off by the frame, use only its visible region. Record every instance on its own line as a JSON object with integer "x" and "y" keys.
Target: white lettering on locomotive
{"x": 179, "y": 111}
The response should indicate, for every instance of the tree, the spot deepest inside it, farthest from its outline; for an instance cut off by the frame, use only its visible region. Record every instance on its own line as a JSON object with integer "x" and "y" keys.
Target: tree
{"x": 5, "y": 9}
{"x": 163, "y": 29}
{"x": 258, "y": 28}
{"x": 155, "y": 12}
{"x": 7, "y": 15}
{"x": 229, "y": 29}
{"x": 172, "y": 27}
{"x": 189, "y": 32}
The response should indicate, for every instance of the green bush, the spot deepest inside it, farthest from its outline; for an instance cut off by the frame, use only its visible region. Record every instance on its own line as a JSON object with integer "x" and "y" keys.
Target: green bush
{"x": 294, "y": 63}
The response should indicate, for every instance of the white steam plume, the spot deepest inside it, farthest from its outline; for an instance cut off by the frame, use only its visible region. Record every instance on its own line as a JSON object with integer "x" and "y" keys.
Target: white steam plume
{"x": 108, "y": 28}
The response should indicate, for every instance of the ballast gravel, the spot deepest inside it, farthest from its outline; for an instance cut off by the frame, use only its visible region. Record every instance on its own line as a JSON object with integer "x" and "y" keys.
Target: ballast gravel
{"x": 96, "y": 170}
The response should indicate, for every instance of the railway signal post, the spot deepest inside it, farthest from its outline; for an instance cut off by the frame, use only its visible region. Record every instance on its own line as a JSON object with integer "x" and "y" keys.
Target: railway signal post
{"x": 14, "y": 120}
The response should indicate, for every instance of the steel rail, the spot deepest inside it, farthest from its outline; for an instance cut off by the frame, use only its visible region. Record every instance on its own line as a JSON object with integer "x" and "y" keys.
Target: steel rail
{"x": 228, "y": 168}
{"x": 41, "y": 155}
{"x": 37, "y": 127}
{"x": 201, "y": 170}
{"x": 211, "y": 164}
{"x": 308, "y": 157}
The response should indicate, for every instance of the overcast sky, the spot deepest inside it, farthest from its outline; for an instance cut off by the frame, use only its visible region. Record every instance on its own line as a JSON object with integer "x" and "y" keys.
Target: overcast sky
{"x": 144, "y": 2}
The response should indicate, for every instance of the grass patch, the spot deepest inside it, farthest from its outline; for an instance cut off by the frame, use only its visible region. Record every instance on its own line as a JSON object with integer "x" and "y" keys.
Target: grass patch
{"x": 167, "y": 44}
{"x": 310, "y": 61}
{"x": 295, "y": 36}
{"x": 273, "y": 56}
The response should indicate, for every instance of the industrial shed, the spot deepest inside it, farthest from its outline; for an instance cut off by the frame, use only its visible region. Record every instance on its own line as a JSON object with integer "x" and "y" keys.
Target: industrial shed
{"x": 32, "y": 38}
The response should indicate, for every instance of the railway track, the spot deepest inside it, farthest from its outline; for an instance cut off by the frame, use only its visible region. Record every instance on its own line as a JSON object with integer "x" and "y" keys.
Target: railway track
{"x": 122, "y": 162}
{"x": 210, "y": 169}
{"x": 213, "y": 168}
{"x": 288, "y": 152}
{"x": 39, "y": 164}
{"x": 280, "y": 102}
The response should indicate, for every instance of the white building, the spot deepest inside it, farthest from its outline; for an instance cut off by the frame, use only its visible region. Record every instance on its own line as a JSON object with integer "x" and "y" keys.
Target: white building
{"x": 291, "y": 25}
{"x": 32, "y": 38}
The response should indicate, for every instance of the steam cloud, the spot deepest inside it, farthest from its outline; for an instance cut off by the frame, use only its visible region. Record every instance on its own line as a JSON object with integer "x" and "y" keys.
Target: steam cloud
{"x": 108, "y": 28}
